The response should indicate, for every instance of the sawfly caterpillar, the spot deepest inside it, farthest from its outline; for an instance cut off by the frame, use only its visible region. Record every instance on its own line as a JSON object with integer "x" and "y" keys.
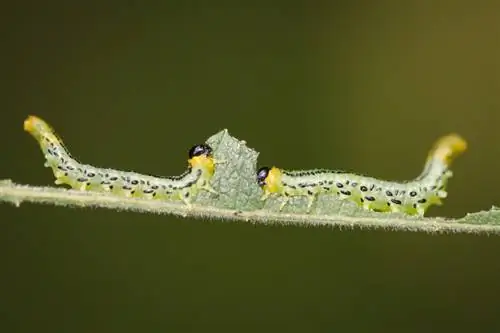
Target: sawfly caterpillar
{"x": 412, "y": 197}
{"x": 67, "y": 170}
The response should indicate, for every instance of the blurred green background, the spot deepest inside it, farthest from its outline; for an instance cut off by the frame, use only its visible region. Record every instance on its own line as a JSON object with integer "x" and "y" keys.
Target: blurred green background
{"x": 364, "y": 86}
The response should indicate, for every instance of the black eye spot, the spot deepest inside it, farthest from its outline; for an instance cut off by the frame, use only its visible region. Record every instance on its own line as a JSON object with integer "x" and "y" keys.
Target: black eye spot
{"x": 199, "y": 150}
{"x": 262, "y": 175}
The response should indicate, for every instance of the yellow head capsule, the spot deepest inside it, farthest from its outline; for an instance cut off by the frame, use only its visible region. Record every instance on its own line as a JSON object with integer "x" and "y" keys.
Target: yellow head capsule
{"x": 200, "y": 157}
{"x": 269, "y": 179}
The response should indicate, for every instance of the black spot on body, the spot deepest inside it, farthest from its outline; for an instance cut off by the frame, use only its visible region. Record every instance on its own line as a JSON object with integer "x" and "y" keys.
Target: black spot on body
{"x": 90, "y": 174}
{"x": 81, "y": 179}
{"x": 345, "y": 192}
{"x": 370, "y": 198}
{"x": 340, "y": 185}
{"x": 134, "y": 182}
{"x": 413, "y": 193}
{"x": 363, "y": 188}
{"x": 388, "y": 193}
{"x": 422, "y": 201}
{"x": 396, "y": 201}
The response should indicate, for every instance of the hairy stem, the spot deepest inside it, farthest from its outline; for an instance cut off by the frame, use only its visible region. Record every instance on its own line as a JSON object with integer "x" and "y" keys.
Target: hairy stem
{"x": 17, "y": 194}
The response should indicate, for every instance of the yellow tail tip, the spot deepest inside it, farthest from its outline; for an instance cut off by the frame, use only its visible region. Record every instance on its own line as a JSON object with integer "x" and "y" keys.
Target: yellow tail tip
{"x": 36, "y": 126}
{"x": 448, "y": 147}
{"x": 29, "y": 123}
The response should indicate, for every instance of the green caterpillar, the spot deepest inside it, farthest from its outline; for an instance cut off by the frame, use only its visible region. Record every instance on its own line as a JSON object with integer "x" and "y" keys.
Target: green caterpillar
{"x": 67, "y": 170}
{"x": 413, "y": 197}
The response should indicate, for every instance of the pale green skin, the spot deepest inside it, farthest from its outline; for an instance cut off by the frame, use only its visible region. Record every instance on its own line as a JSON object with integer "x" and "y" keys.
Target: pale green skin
{"x": 69, "y": 171}
{"x": 413, "y": 197}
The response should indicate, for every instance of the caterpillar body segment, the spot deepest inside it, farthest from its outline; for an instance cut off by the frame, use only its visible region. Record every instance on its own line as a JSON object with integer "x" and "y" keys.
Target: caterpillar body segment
{"x": 84, "y": 177}
{"x": 412, "y": 197}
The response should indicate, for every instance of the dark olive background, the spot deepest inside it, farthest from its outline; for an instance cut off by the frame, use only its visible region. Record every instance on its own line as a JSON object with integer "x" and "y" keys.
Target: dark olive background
{"x": 365, "y": 86}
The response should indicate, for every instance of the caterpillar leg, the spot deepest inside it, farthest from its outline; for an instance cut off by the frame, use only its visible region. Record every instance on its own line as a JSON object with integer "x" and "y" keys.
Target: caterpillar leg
{"x": 265, "y": 196}
{"x": 207, "y": 187}
{"x": 185, "y": 196}
{"x": 310, "y": 201}
{"x": 284, "y": 202}
{"x": 420, "y": 211}
{"x": 210, "y": 189}
{"x": 366, "y": 205}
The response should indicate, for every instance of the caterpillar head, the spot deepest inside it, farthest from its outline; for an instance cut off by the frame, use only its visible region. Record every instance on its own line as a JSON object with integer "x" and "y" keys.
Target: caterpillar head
{"x": 201, "y": 157}
{"x": 269, "y": 179}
